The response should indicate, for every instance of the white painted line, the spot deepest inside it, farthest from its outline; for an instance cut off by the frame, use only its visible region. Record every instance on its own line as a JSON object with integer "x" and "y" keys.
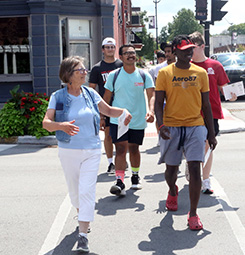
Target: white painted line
{"x": 54, "y": 233}
{"x": 231, "y": 215}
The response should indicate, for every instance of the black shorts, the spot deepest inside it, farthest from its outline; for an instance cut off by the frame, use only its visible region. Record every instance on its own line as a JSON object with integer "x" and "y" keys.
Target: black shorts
{"x": 132, "y": 136}
{"x": 216, "y": 127}
{"x": 107, "y": 121}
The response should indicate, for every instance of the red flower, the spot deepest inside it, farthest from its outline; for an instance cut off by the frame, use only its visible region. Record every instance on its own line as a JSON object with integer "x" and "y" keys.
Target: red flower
{"x": 35, "y": 102}
{"x": 37, "y": 94}
{"x": 22, "y": 103}
{"x": 46, "y": 99}
{"x": 23, "y": 98}
{"x": 44, "y": 94}
{"x": 32, "y": 109}
{"x": 27, "y": 116}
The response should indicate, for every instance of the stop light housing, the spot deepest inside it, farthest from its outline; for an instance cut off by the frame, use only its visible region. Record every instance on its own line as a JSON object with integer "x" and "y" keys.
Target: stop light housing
{"x": 201, "y": 9}
{"x": 216, "y": 13}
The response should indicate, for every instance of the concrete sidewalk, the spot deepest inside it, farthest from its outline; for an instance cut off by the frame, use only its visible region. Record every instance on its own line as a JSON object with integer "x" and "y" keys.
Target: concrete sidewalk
{"x": 229, "y": 124}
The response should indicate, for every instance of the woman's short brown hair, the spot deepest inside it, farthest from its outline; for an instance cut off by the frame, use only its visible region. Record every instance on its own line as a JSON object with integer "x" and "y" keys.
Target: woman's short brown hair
{"x": 67, "y": 66}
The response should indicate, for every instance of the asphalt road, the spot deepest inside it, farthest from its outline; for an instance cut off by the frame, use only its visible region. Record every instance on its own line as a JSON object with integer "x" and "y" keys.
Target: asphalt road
{"x": 37, "y": 218}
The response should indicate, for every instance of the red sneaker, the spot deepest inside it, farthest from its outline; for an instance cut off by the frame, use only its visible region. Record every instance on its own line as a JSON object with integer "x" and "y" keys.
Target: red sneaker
{"x": 172, "y": 201}
{"x": 194, "y": 222}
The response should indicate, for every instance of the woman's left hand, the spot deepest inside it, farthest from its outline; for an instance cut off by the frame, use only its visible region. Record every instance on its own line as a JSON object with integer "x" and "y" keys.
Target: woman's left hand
{"x": 127, "y": 118}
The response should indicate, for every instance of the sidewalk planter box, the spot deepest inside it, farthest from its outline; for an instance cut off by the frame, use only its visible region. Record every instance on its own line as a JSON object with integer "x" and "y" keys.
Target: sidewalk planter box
{"x": 9, "y": 140}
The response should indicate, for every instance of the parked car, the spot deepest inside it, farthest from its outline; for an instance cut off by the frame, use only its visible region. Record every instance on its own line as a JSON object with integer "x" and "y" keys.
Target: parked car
{"x": 234, "y": 65}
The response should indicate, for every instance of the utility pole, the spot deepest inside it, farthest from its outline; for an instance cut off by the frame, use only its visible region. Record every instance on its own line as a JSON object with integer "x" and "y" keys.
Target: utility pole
{"x": 156, "y": 2}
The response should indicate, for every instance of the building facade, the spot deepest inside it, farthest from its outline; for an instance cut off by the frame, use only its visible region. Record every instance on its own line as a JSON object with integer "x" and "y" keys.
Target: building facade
{"x": 35, "y": 35}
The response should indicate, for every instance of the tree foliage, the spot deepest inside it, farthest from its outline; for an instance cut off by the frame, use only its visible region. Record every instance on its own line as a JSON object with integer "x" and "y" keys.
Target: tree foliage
{"x": 240, "y": 29}
{"x": 147, "y": 40}
{"x": 184, "y": 23}
{"x": 163, "y": 37}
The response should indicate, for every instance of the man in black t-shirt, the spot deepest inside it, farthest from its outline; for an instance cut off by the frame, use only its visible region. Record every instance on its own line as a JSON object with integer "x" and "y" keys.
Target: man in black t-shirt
{"x": 98, "y": 76}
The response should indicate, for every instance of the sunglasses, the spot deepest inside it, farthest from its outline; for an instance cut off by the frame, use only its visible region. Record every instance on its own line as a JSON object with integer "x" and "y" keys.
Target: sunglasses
{"x": 127, "y": 53}
{"x": 81, "y": 70}
{"x": 109, "y": 47}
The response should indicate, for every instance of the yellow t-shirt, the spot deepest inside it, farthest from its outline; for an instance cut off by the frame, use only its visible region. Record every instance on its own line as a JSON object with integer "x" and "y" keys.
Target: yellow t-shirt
{"x": 183, "y": 88}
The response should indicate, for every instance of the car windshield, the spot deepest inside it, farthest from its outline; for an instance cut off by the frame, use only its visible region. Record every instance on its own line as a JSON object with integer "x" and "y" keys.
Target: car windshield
{"x": 232, "y": 59}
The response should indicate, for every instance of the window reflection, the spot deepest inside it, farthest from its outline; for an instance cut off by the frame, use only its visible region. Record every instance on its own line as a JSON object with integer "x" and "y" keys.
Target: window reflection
{"x": 14, "y": 46}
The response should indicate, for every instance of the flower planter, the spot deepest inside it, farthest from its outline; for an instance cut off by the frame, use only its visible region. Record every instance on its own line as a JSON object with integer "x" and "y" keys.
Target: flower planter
{"x": 9, "y": 140}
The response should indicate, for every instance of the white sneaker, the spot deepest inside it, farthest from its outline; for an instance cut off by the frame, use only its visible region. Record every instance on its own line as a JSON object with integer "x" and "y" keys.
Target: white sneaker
{"x": 206, "y": 187}
{"x": 187, "y": 173}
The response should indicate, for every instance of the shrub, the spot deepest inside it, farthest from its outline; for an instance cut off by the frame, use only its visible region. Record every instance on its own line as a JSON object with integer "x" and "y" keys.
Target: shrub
{"x": 23, "y": 114}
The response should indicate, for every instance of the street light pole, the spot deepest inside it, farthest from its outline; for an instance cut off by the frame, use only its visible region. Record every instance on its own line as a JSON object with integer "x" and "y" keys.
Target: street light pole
{"x": 156, "y": 2}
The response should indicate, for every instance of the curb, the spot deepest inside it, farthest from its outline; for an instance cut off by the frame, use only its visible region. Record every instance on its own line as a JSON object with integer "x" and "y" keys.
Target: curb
{"x": 45, "y": 140}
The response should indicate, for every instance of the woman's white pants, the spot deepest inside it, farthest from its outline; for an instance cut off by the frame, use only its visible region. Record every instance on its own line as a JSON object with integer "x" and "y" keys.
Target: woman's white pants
{"x": 81, "y": 169}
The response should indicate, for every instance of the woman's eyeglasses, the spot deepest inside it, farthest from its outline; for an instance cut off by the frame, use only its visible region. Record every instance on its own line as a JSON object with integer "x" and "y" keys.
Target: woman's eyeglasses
{"x": 81, "y": 70}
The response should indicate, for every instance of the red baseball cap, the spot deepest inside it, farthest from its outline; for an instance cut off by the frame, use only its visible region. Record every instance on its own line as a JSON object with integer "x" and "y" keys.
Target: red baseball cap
{"x": 186, "y": 45}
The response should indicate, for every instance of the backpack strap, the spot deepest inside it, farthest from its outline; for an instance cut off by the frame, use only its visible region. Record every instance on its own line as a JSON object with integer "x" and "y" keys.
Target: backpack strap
{"x": 115, "y": 78}
{"x": 142, "y": 74}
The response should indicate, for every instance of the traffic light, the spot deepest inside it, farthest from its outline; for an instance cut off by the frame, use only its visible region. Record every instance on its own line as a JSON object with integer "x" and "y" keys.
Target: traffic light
{"x": 201, "y": 9}
{"x": 216, "y": 13}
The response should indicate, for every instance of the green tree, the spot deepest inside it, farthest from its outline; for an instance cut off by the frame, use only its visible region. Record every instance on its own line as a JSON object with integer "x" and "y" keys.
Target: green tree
{"x": 149, "y": 45}
{"x": 163, "y": 37}
{"x": 240, "y": 29}
{"x": 184, "y": 23}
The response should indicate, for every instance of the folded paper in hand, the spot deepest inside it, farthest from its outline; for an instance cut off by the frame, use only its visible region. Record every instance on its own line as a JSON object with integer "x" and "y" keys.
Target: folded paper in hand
{"x": 122, "y": 129}
{"x": 207, "y": 155}
{"x": 236, "y": 88}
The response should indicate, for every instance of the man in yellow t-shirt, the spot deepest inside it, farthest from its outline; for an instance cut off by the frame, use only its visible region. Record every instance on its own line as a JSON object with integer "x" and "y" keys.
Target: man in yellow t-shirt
{"x": 185, "y": 88}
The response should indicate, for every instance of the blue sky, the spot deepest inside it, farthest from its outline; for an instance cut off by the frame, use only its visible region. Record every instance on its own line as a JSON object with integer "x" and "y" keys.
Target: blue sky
{"x": 169, "y": 8}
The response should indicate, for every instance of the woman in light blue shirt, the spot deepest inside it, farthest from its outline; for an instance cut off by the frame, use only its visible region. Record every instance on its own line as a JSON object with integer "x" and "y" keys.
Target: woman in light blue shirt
{"x": 73, "y": 112}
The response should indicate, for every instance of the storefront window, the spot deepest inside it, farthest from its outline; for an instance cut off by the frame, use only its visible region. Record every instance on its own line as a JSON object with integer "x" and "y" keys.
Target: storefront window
{"x": 81, "y": 49}
{"x": 76, "y": 39}
{"x": 14, "y": 46}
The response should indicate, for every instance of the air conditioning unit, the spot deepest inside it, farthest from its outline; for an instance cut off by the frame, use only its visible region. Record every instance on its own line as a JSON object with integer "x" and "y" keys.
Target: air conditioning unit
{"x": 131, "y": 37}
{"x": 135, "y": 20}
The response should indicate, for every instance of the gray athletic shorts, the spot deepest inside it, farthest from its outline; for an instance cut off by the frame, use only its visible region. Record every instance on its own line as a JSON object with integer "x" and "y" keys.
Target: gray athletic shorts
{"x": 189, "y": 141}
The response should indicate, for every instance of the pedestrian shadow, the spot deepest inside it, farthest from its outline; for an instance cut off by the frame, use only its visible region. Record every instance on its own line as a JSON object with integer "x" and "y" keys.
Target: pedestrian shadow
{"x": 153, "y": 150}
{"x": 66, "y": 245}
{"x": 225, "y": 206}
{"x": 160, "y": 177}
{"x": 164, "y": 239}
{"x": 110, "y": 205}
{"x": 22, "y": 149}
{"x": 104, "y": 177}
